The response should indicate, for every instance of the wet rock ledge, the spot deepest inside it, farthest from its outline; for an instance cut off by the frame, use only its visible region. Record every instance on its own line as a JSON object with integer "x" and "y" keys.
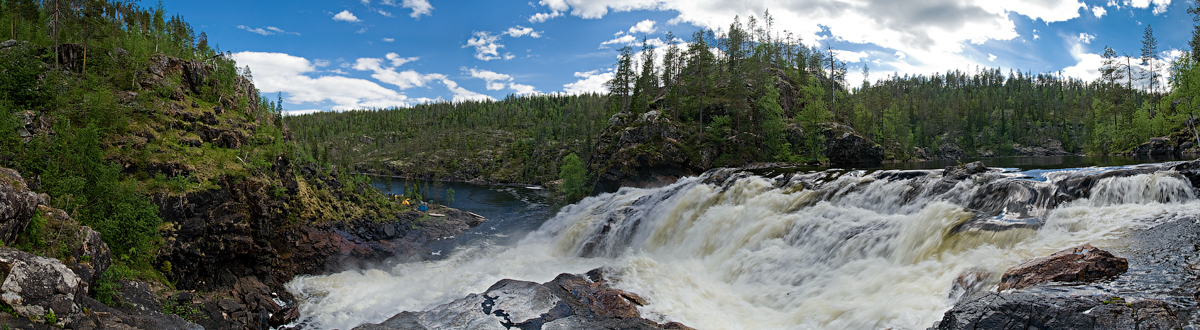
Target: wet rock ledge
{"x": 1014, "y": 307}
{"x": 568, "y": 302}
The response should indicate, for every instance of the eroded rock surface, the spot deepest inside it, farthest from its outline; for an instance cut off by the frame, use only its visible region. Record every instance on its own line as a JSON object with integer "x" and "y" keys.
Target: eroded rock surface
{"x": 1003, "y": 311}
{"x": 568, "y": 302}
{"x": 1082, "y": 263}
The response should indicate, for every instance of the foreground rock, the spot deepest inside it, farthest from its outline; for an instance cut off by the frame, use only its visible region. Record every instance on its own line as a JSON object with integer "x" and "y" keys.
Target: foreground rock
{"x": 1082, "y": 263}
{"x": 567, "y": 302}
{"x": 1001, "y": 311}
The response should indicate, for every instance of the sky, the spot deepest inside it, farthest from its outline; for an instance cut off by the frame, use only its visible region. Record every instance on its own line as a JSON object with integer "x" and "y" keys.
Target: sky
{"x": 335, "y": 55}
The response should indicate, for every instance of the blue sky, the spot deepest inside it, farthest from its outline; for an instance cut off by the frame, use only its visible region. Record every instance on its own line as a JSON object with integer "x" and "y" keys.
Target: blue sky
{"x": 346, "y": 54}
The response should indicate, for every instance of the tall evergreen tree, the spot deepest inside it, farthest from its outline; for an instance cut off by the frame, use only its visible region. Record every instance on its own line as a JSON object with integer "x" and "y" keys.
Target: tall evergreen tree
{"x": 1150, "y": 57}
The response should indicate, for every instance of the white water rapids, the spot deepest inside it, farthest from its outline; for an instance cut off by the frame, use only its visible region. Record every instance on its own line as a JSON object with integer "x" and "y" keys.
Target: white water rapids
{"x": 826, "y": 250}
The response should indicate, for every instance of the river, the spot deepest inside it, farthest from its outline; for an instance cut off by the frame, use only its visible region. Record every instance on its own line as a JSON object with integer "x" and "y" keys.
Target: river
{"x": 789, "y": 249}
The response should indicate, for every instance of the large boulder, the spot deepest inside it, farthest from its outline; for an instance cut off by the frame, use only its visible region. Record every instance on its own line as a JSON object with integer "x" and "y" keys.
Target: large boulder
{"x": 1004, "y": 311}
{"x": 845, "y": 147}
{"x": 1082, "y": 263}
{"x": 568, "y": 302}
{"x": 17, "y": 205}
{"x": 37, "y": 286}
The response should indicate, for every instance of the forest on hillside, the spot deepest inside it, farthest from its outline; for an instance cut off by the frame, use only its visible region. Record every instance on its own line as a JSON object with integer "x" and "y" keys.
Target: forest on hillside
{"x": 88, "y": 122}
{"x": 753, "y": 94}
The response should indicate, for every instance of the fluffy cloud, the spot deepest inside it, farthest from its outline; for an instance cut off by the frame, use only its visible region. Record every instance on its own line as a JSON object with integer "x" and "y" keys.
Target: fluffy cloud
{"x": 276, "y": 72}
{"x": 419, "y": 7}
{"x": 403, "y": 79}
{"x": 520, "y": 31}
{"x": 991, "y": 58}
{"x": 849, "y": 56}
{"x": 1160, "y": 6}
{"x": 1099, "y": 11}
{"x": 495, "y": 81}
{"x": 270, "y": 30}
{"x": 462, "y": 94}
{"x": 932, "y": 34}
{"x": 589, "y": 82}
{"x": 542, "y": 17}
{"x": 646, "y": 26}
{"x": 384, "y": 13}
{"x": 1086, "y": 38}
{"x": 498, "y": 81}
{"x": 622, "y": 40}
{"x": 487, "y": 46}
{"x": 346, "y": 16}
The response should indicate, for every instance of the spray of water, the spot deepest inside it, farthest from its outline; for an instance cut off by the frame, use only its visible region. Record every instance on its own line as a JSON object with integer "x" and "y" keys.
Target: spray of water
{"x": 818, "y": 251}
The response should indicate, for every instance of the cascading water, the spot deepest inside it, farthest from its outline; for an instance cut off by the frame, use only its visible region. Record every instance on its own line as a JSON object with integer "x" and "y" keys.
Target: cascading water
{"x": 825, "y": 250}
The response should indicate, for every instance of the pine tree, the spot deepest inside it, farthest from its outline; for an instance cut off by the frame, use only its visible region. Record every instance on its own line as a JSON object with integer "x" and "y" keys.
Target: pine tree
{"x": 1150, "y": 57}
{"x": 619, "y": 87}
{"x": 1109, "y": 69}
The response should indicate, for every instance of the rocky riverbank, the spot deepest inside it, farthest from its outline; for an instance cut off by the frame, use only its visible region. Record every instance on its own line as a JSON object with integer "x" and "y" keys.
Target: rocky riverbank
{"x": 227, "y": 253}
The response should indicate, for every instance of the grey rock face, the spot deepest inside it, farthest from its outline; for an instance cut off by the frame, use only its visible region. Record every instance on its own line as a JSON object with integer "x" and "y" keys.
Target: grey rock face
{"x": 568, "y": 302}
{"x": 1003, "y": 311}
{"x": 17, "y": 205}
{"x": 35, "y": 286}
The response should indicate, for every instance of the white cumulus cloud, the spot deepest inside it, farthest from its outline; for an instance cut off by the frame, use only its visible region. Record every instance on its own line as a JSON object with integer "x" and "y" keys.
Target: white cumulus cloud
{"x": 1160, "y": 6}
{"x": 346, "y": 16}
{"x": 1086, "y": 38}
{"x": 622, "y": 40}
{"x": 646, "y": 26}
{"x": 277, "y": 72}
{"x": 542, "y": 17}
{"x": 849, "y": 56}
{"x": 589, "y": 82}
{"x": 419, "y": 7}
{"x": 486, "y": 46}
{"x": 1099, "y": 11}
{"x": 932, "y": 34}
{"x": 499, "y": 81}
{"x": 521, "y": 31}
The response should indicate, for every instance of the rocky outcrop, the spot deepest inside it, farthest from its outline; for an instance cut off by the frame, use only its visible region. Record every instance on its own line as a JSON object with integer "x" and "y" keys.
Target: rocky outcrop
{"x": 567, "y": 302}
{"x": 1048, "y": 148}
{"x": 1082, "y": 263}
{"x": 640, "y": 150}
{"x": 36, "y": 287}
{"x": 17, "y": 205}
{"x": 846, "y": 148}
{"x": 1004, "y": 311}
{"x": 1157, "y": 146}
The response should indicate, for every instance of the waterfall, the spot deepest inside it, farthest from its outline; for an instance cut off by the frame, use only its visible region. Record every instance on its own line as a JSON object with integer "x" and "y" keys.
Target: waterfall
{"x": 823, "y": 250}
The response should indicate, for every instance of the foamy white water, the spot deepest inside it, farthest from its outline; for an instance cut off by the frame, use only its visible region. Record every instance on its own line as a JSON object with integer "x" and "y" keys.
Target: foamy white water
{"x": 850, "y": 251}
